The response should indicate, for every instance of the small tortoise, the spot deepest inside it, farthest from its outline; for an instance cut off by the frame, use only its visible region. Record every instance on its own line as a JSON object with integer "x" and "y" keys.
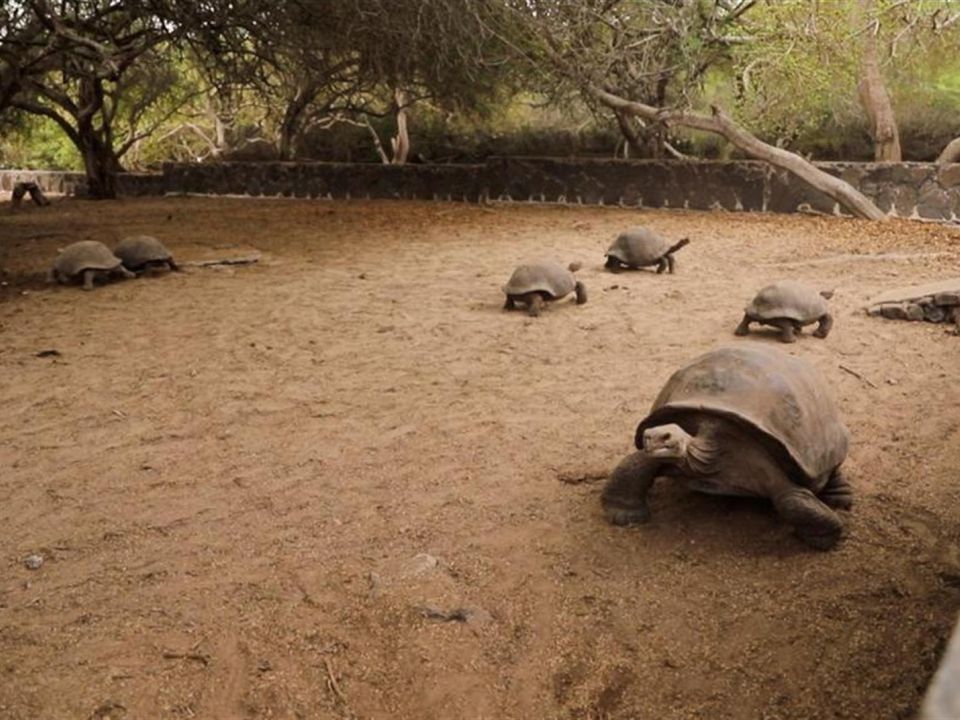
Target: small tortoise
{"x": 789, "y": 305}
{"x": 536, "y": 283}
{"x": 750, "y": 421}
{"x": 140, "y": 253}
{"x": 86, "y": 259}
{"x": 639, "y": 247}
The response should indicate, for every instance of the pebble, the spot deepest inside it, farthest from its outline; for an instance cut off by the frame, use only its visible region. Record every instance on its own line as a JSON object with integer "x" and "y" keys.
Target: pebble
{"x": 33, "y": 562}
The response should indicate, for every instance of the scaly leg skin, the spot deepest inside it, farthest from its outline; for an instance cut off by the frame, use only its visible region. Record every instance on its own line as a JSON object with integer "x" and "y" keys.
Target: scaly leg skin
{"x": 172, "y": 266}
{"x": 788, "y": 333}
{"x": 509, "y": 304}
{"x": 624, "y": 497}
{"x": 581, "y": 291}
{"x": 88, "y": 276}
{"x": 126, "y": 273}
{"x": 534, "y": 305}
{"x": 816, "y": 524}
{"x": 671, "y": 264}
{"x": 823, "y": 329}
{"x": 744, "y": 327}
{"x": 837, "y": 493}
{"x": 662, "y": 265}
{"x": 612, "y": 264}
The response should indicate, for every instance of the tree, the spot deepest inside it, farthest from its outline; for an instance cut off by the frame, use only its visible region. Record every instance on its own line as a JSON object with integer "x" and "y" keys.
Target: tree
{"x": 584, "y": 42}
{"x": 72, "y": 62}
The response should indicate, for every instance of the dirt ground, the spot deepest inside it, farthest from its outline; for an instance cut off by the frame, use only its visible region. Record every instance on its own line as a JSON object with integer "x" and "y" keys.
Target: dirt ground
{"x": 258, "y": 489}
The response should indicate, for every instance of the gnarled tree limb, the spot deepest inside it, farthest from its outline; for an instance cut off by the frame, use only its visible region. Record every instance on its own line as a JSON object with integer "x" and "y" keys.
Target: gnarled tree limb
{"x": 718, "y": 122}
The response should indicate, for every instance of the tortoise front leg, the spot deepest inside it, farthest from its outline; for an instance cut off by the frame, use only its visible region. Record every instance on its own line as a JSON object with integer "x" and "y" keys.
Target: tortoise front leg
{"x": 788, "y": 333}
{"x": 88, "y": 276}
{"x": 662, "y": 264}
{"x": 172, "y": 265}
{"x": 624, "y": 497}
{"x": 581, "y": 291}
{"x": 744, "y": 327}
{"x": 612, "y": 264}
{"x": 837, "y": 493}
{"x": 671, "y": 264}
{"x": 816, "y": 524}
{"x": 52, "y": 275}
{"x": 126, "y": 273}
{"x": 509, "y": 304}
{"x": 534, "y": 305}
{"x": 823, "y": 329}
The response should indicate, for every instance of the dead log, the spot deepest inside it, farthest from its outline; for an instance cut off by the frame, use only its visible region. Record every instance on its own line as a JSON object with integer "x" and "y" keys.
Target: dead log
{"x": 721, "y": 124}
{"x": 24, "y": 187}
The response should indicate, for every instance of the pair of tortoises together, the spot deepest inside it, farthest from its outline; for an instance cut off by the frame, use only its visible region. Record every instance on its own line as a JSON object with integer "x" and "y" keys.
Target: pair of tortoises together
{"x": 750, "y": 421}
{"x": 89, "y": 260}
{"x": 536, "y": 283}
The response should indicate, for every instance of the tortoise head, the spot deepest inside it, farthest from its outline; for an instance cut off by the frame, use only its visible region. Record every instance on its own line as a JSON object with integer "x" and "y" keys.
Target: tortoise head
{"x": 668, "y": 442}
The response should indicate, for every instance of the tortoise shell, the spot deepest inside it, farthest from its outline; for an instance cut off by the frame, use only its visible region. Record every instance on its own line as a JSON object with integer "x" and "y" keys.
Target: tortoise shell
{"x": 543, "y": 276}
{"x": 85, "y": 255}
{"x": 783, "y": 398}
{"x": 138, "y": 250}
{"x": 638, "y": 246}
{"x": 788, "y": 299}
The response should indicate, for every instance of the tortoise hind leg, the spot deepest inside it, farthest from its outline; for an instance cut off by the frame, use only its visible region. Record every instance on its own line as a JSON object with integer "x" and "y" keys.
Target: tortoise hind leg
{"x": 88, "y": 276}
{"x": 671, "y": 264}
{"x": 816, "y": 524}
{"x": 823, "y": 329}
{"x": 581, "y": 291}
{"x": 744, "y": 327}
{"x": 837, "y": 493}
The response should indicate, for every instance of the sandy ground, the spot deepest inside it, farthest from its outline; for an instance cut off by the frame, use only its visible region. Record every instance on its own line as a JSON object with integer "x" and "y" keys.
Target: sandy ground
{"x": 254, "y": 488}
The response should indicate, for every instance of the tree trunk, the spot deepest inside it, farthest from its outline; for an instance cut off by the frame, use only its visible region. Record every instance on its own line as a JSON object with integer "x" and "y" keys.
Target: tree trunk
{"x": 401, "y": 142}
{"x": 101, "y": 167}
{"x": 875, "y": 98}
{"x": 844, "y": 193}
{"x": 630, "y": 134}
{"x": 951, "y": 153}
{"x": 293, "y": 118}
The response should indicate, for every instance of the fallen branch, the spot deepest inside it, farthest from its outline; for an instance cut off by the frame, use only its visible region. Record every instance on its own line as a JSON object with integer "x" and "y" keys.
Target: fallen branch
{"x": 880, "y": 257}
{"x": 223, "y": 261}
{"x": 951, "y": 153}
{"x": 333, "y": 684}
{"x": 720, "y": 124}
{"x": 857, "y": 375}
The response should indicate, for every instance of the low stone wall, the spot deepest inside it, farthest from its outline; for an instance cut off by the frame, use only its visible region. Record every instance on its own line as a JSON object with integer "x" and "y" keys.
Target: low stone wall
{"x": 917, "y": 190}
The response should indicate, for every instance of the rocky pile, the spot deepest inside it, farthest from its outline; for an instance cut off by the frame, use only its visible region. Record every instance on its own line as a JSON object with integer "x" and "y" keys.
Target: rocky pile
{"x": 934, "y": 302}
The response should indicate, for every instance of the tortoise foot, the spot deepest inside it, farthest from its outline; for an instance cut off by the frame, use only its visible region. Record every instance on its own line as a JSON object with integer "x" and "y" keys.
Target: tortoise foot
{"x": 816, "y": 524}
{"x": 623, "y": 515}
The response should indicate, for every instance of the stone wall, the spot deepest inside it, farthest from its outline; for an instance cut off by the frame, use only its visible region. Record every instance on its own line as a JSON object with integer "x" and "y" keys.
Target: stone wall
{"x": 919, "y": 190}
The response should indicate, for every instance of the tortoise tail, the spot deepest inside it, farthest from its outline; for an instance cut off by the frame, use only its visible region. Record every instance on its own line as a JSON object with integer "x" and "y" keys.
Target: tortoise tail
{"x": 680, "y": 243}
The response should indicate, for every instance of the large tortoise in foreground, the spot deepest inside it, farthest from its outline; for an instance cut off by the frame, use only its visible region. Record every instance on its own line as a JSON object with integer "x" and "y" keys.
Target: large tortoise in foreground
{"x": 86, "y": 260}
{"x": 750, "y": 421}
{"x": 543, "y": 281}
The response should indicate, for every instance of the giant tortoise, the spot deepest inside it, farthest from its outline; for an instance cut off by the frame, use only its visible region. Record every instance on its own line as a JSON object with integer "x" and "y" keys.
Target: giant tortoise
{"x": 141, "y": 253}
{"x": 86, "y": 260}
{"x": 789, "y": 305}
{"x": 639, "y": 247}
{"x": 536, "y": 283}
{"x": 750, "y": 421}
